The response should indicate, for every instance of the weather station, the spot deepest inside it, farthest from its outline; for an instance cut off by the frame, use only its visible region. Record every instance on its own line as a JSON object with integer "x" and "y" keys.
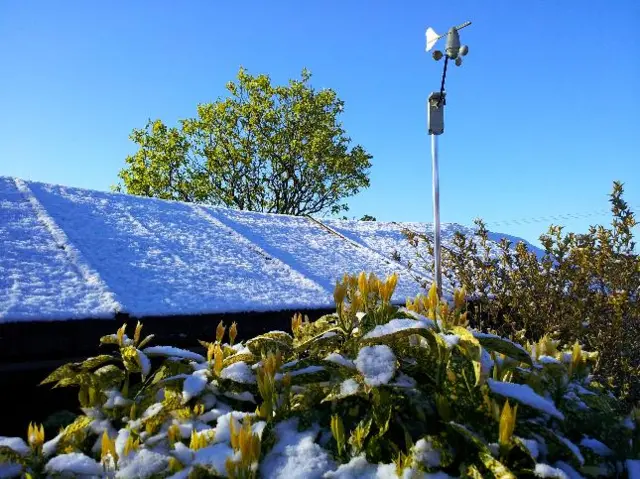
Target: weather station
{"x": 435, "y": 121}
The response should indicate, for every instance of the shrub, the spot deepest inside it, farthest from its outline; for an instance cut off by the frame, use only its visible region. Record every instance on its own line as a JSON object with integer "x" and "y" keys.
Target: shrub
{"x": 370, "y": 391}
{"x": 584, "y": 288}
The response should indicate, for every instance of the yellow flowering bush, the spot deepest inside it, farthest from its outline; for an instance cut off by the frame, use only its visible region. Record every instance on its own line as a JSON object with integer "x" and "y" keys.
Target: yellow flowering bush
{"x": 586, "y": 288}
{"x": 373, "y": 390}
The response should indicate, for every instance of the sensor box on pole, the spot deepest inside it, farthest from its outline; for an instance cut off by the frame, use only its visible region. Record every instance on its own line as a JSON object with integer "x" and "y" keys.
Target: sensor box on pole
{"x": 435, "y": 113}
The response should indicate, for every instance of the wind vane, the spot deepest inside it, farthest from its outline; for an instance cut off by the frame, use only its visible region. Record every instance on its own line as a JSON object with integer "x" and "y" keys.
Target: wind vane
{"x": 453, "y": 42}
{"x": 435, "y": 119}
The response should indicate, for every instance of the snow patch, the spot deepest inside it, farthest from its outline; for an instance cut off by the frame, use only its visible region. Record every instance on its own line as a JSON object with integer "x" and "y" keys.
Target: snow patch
{"x": 152, "y": 410}
{"x": 242, "y": 396}
{"x": 396, "y": 326}
{"x": 108, "y": 302}
{"x": 596, "y": 446}
{"x": 450, "y": 339}
{"x": 9, "y": 470}
{"x": 172, "y": 352}
{"x": 182, "y": 453}
{"x": 481, "y": 335}
{"x": 568, "y": 470}
{"x": 193, "y": 386}
{"x": 145, "y": 363}
{"x": 308, "y": 370}
{"x": 214, "y": 456}
{"x": 295, "y": 454}
{"x": 349, "y": 387}
{"x": 404, "y": 381}
{"x": 339, "y": 359}
{"x": 572, "y": 447}
{"x": 115, "y": 399}
{"x": 545, "y": 470}
{"x": 633, "y": 468}
{"x": 16, "y": 444}
{"x": 548, "y": 360}
{"x": 425, "y": 453}
{"x": 74, "y": 463}
{"x": 357, "y": 468}
{"x": 377, "y": 364}
{"x": 144, "y": 464}
{"x": 532, "y": 446}
{"x": 525, "y": 395}
{"x": 269, "y": 262}
{"x": 222, "y": 430}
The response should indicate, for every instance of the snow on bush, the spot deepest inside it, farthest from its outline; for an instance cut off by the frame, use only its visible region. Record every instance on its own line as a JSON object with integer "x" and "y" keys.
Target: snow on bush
{"x": 373, "y": 391}
{"x": 377, "y": 364}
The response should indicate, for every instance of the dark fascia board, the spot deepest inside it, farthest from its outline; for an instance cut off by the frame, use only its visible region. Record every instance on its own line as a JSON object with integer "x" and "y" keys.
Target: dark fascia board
{"x": 30, "y": 341}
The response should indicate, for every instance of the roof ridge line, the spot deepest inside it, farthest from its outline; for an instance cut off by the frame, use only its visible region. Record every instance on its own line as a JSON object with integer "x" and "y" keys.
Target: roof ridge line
{"x": 73, "y": 254}
{"x": 200, "y": 209}
{"x": 389, "y": 261}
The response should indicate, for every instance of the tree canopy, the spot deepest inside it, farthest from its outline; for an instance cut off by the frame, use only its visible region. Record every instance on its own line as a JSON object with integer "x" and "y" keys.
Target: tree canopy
{"x": 269, "y": 148}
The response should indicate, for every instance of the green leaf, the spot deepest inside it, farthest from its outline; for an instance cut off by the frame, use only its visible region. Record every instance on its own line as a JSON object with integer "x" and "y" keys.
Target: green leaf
{"x": 262, "y": 345}
{"x": 63, "y": 372}
{"x": 339, "y": 392}
{"x": 473, "y": 472}
{"x": 504, "y": 346}
{"x": 92, "y": 363}
{"x": 130, "y": 359}
{"x": 396, "y": 331}
{"x": 516, "y": 441}
{"x": 145, "y": 341}
{"x": 471, "y": 346}
{"x": 109, "y": 339}
{"x": 437, "y": 345}
{"x": 558, "y": 445}
{"x": 236, "y": 358}
{"x": 497, "y": 469}
{"x": 326, "y": 339}
{"x": 74, "y": 433}
{"x": 80, "y": 379}
{"x": 9, "y": 455}
{"x": 360, "y": 433}
{"x": 108, "y": 376}
{"x": 312, "y": 376}
{"x": 470, "y": 436}
{"x": 279, "y": 336}
{"x": 382, "y": 418}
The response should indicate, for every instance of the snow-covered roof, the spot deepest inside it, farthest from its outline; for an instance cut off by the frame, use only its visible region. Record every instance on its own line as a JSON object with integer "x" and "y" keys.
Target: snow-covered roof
{"x": 70, "y": 253}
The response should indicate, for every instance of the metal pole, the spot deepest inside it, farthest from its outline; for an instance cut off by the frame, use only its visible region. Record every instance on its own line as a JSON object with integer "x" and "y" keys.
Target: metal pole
{"x": 454, "y": 51}
{"x": 436, "y": 214}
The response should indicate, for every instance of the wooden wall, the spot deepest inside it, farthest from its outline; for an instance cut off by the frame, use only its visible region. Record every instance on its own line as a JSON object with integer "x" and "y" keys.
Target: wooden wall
{"x": 29, "y": 351}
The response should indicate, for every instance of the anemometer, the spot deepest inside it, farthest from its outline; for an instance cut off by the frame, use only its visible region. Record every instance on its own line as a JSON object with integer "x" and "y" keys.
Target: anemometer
{"x": 453, "y": 51}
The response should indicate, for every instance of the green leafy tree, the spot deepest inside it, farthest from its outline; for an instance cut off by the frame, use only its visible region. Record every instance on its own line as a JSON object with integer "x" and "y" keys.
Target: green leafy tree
{"x": 276, "y": 149}
{"x": 362, "y": 218}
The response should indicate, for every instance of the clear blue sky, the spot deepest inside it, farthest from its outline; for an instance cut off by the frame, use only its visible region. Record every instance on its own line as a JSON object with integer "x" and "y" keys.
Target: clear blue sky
{"x": 540, "y": 120}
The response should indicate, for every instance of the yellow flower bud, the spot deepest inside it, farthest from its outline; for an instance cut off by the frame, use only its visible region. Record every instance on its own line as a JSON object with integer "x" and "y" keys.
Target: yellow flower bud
{"x": 36, "y": 437}
{"x": 220, "y": 331}
{"x": 233, "y": 332}
{"x": 507, "y": 424}
{"x": 339, "y": 293}
{"x": 363, "y": 284}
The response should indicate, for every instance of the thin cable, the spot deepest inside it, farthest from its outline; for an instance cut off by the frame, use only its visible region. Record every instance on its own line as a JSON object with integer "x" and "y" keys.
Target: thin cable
{"x": 444, "y": 77}
{"x": 558, "y": 217}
